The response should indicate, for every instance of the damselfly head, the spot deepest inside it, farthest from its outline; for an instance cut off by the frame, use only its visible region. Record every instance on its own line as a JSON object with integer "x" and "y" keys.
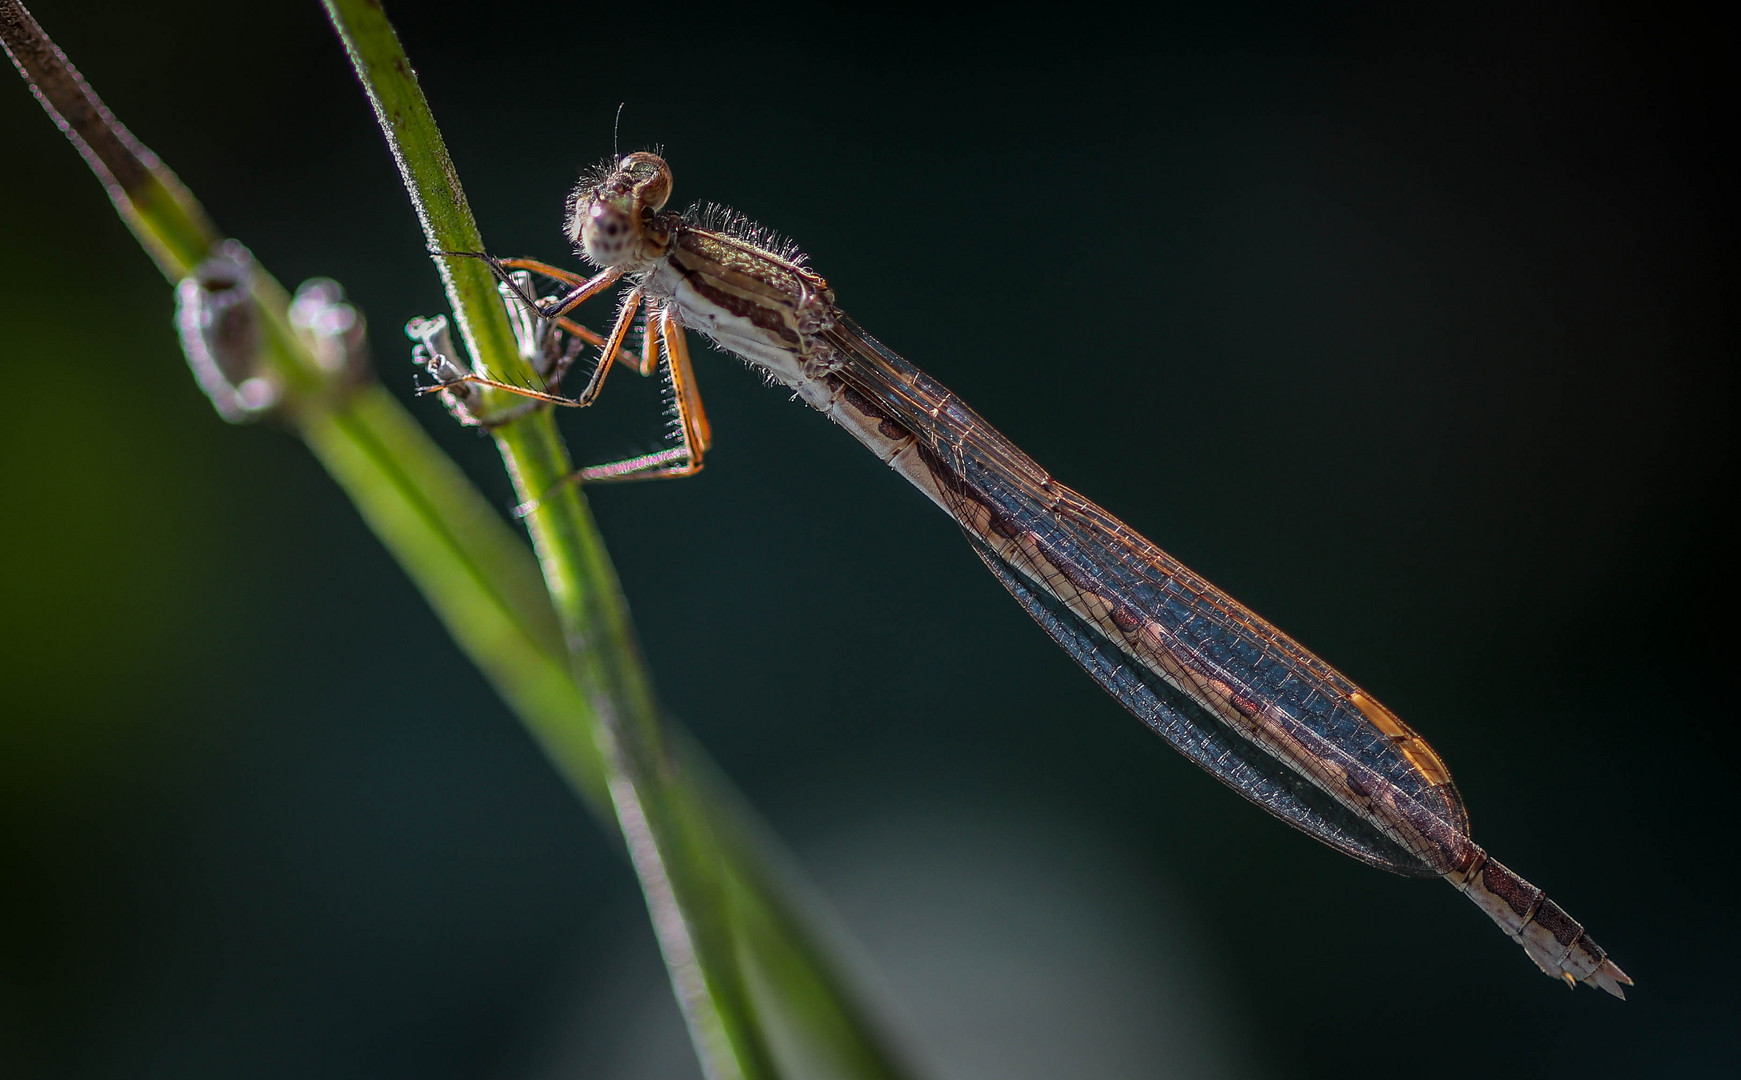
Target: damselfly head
{"x": 610, "y": 209}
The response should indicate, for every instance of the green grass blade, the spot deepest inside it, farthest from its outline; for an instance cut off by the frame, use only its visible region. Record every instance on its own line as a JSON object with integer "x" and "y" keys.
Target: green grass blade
{"x": 788, "y": 1005}
{"x": 670, "y": 848}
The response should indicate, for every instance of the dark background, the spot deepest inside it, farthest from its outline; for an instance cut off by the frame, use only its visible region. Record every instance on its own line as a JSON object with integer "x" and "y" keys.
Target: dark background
{"x": 1412, "y": 330}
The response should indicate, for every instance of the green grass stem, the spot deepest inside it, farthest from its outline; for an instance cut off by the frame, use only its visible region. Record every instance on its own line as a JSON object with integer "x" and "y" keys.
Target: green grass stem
{"x": 741, "y": 937}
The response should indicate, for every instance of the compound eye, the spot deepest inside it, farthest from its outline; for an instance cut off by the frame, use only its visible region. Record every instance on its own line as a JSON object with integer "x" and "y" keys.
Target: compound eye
{"x": 651, "y": 178}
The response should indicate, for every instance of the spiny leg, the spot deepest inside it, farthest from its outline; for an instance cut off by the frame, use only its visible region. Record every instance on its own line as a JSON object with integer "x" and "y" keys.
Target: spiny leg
{"x": 698, "y": 432}
{"x": 594, "y": 386}
{"x": 496, "y": 384}
{"x": 612, "y": 347}
{"x": 649, "y": 343}
{"x": 544, "y": 269}
{"x": 581, "y": 290}
{"x": 694, "y": 433}
{"x": 637, "y": 362}
{"x": 579, "y": 293}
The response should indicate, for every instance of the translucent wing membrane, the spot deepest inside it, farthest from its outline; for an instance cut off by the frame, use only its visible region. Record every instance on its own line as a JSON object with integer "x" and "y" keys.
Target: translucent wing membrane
{"x": 1201, "y": 736}
{"x": 1229, "y": 690}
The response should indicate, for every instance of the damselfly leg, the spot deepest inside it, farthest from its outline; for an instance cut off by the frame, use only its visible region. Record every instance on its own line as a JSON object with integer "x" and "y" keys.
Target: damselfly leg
{"x": 694, "y": 433}
{"x": 584, "y": 288}
{"x": 664, "y": 333}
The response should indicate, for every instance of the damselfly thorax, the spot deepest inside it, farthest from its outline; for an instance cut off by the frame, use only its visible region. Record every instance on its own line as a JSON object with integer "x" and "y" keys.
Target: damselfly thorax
{"x": 1227, "y": 688}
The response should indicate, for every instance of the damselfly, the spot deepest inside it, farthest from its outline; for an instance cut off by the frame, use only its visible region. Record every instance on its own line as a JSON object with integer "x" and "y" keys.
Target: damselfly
{"x": 1225, "y": 687}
